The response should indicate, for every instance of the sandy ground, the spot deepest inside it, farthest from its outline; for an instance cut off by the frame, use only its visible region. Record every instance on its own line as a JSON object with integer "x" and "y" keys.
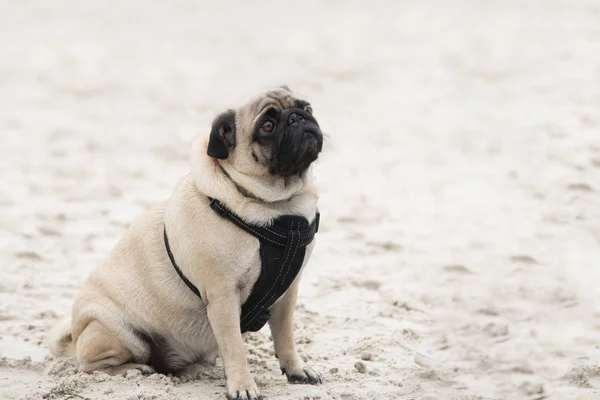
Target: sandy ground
{"x": 460, "y": 189}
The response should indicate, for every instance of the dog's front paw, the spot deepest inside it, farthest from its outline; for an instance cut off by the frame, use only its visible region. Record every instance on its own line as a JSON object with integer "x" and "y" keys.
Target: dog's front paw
{"x": 302, "y": 374}
{"x": 246, "y": 394}
{"x": 245, "y": 390}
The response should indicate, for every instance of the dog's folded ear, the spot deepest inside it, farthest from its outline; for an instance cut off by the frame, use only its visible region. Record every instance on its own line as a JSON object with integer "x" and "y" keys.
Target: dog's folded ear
{"x": 285, "y": 87}
{"x": 222, "y": 135}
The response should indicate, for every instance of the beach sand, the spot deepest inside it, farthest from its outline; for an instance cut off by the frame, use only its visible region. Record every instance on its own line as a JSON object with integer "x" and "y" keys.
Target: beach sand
{"x": 459, "y": 250}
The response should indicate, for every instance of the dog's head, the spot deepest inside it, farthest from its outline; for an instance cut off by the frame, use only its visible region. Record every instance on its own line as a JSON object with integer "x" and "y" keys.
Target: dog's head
{"x": 272, "y": 134}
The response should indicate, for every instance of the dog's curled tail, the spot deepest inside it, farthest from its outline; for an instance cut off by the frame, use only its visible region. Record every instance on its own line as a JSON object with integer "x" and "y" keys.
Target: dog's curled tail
{"x": 60, "y": 341}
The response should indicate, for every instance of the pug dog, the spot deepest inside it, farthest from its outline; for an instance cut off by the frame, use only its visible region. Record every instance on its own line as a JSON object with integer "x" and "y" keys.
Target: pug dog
{"x": 170, "y": 295}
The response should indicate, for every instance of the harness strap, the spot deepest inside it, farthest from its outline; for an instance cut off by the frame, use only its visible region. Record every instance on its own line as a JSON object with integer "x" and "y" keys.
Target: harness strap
{"x": 256, "y": 309}
{"x": 181, "y": 275}
{"x": 274, "y": 234}
{"x": 282, "y": 251}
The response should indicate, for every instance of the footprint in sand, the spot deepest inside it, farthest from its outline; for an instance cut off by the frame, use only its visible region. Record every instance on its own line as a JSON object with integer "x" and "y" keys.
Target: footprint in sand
{"x": 523, "y": 259}
{"x": 580, "y": 187}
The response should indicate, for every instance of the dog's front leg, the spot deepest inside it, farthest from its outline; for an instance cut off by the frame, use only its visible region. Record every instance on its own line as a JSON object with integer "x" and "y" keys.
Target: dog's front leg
{"x": 282, "y": 329}
{"x": 224, "y": 316}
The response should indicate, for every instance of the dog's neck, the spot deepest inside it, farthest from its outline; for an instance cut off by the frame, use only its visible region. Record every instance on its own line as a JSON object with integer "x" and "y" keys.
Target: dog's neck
{"x": 252, "y": 198}
{"x": 241, "y": 189}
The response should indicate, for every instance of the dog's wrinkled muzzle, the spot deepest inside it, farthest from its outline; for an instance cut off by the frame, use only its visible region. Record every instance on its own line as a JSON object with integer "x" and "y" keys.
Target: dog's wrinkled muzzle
{"x": 298, "y": 145}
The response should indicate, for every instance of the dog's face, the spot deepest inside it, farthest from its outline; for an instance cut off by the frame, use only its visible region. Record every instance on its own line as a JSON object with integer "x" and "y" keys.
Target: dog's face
{"x": 273, "y": 133}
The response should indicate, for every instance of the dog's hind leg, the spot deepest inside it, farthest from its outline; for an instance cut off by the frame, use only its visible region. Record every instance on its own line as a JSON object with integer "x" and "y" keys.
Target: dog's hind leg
{"x": 100, "y": 349}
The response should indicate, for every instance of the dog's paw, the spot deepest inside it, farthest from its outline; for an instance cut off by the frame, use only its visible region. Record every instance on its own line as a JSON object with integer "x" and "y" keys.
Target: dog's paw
{"x": 245, "y": 395}
{"x": 243, "y": 391}
{"x": 129, "y": 370}
{"x": 145, "y": 369}
{"x": 304, "y": 375}
{"x": 194, "y": 371}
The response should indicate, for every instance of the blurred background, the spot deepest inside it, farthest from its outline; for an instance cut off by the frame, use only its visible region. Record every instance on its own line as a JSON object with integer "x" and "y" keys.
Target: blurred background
{"x": 458, "y": 256}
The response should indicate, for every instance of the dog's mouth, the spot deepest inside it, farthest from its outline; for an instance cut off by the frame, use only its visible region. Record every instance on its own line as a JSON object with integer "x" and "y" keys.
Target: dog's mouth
{"x": 296, "y": 149}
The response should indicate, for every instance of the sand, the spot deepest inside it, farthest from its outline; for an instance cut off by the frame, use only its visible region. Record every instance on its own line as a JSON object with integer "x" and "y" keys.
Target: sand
{"x": 459, "y": 250}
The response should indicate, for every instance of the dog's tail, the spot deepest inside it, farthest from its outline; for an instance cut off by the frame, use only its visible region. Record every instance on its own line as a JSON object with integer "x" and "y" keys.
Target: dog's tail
{"x": 60, "y": 341}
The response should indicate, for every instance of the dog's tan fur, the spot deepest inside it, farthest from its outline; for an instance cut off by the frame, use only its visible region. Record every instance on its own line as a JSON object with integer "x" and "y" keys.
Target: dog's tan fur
{"x": 137, "y": 286}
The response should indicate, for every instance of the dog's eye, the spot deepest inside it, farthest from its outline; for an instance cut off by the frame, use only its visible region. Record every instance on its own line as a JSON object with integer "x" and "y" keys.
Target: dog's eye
{"x": 308, "y": 109}
{"x": 267, "y": 127}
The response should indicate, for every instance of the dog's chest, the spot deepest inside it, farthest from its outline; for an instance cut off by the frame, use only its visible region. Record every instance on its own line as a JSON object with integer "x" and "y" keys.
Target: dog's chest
{"x": 249, "y": 270}
{"x": 281, "y": 253}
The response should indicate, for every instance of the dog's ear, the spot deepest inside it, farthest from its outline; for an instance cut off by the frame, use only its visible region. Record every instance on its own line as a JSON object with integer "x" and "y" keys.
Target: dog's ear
{"x": 222, "y": 135}
{"x": 285, "y": 87}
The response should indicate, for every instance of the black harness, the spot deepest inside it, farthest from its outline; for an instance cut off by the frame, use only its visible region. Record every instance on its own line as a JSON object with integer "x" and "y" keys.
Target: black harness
{"x": 282, "y": 250}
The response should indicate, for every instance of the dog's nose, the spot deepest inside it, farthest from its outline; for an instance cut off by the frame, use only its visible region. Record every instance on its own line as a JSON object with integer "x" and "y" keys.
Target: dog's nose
{"x": 295, "y": 118}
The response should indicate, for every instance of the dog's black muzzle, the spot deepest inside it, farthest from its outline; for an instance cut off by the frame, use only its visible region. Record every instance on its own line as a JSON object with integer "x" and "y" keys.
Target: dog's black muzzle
{"x": 298, "y": 144}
